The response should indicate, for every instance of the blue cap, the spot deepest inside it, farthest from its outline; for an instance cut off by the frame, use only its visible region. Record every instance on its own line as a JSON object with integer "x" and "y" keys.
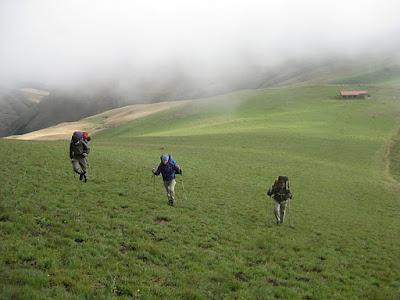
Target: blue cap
{"x": 165, "y": 157}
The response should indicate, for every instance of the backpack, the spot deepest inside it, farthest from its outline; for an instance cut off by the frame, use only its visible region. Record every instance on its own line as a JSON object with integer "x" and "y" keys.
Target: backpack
{"x": 85, "y": 135}
{"x": 285, "y": 179}
{"x": 77, "y": 135}
{"x": 172, "y": 160}
{"x": 279, "y": 196}
{"x": 81, "y": 135}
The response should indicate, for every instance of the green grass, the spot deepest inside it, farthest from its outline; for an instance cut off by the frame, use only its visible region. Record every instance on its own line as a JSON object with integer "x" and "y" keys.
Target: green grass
{"x": 64, "y": 239}
{"x": 387, "y": 75}
{"x": 394, "y": 157}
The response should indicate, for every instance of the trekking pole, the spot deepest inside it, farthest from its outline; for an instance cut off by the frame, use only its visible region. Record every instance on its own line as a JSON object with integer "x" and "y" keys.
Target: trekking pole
{"x": 287, "y": 213}
{"x": 73, "y": 171}
{"x": 268, "y": 206}
{"x": 183, "y": 188}
{"x": 154, "y": 185}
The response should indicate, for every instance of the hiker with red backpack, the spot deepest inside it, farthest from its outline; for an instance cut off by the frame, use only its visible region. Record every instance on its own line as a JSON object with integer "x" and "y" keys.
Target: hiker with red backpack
{"x": 281, "y": 194}
{"x": 78, "y": 152}
{"x": 168, "y": 168}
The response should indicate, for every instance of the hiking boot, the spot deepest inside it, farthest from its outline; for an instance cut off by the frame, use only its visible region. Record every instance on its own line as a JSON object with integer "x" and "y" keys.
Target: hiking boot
{"x": 81, "y": 176}
{"x": 84, "y": 177}
{"x": 170, "y": 202}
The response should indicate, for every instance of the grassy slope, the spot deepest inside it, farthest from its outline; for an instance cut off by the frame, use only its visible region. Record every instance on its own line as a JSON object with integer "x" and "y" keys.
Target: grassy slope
{"x": 65, "y": 239}
{"x": 385, "y": 75}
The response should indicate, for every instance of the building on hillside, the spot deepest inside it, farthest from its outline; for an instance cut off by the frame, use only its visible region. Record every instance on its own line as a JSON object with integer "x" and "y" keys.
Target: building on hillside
{"x": 354, "y": 94}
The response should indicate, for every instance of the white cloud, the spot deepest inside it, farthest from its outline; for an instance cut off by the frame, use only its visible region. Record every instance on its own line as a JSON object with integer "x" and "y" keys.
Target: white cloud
{"x": 62, "y": 41}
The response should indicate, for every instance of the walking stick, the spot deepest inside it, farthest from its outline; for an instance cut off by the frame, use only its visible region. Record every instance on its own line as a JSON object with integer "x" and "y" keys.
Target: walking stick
{"x": 183, "y": 188}
{"x": 287, "y": 212}
{"x": 154, "y": 185}
{"x": 268, "y": 207}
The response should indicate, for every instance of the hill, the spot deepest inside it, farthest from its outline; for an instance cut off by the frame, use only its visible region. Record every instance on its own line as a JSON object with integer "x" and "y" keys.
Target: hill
{"x": 16, "y": 105}
{"x": 96, "y": 123}
{"x": 115, "y": 237}
{"x": 171, "y": 83}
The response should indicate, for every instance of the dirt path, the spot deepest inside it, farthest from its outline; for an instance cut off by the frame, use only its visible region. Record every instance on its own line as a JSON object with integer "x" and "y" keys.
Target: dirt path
{"x": 392, "y": 158}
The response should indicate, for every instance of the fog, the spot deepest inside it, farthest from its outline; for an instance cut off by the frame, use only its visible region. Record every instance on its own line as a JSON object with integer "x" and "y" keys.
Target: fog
{"x": 69, "y": 43}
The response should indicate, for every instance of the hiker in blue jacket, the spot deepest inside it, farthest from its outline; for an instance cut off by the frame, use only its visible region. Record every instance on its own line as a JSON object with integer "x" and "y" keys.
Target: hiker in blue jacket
{"x": 168, "y": 168}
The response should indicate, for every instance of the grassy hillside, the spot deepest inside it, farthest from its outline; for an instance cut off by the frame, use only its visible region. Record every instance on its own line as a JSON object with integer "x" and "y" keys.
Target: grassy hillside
{"x": 386, "y": 75}
{"x": 66, "y": 239}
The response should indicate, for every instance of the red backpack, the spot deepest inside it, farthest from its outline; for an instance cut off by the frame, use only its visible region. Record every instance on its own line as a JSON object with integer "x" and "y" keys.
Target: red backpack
{"x": 85, "y": 135}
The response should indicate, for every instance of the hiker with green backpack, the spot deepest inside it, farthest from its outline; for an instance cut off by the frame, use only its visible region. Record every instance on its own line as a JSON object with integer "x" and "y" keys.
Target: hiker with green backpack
{"x": 281, "y": 194}
{"x": 78, "y": 152}
{"x": 168, "y": 168}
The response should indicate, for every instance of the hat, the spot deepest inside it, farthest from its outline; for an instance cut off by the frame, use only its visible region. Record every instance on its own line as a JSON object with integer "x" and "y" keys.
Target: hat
{"x": 165, "y": 157}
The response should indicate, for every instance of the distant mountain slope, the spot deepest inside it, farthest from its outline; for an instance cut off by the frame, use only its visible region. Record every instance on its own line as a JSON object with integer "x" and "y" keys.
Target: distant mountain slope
{"x": 389, "y": 74}
{"x": 28, "y": 110}
{"x": 335, "y": 71}
{"x": 98, "y": 122}
{"x": 17, "y": 105}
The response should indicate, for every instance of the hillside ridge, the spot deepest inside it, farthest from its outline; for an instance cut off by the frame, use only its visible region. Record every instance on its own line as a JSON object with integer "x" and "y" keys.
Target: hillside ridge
{"x": 96, "y": 123}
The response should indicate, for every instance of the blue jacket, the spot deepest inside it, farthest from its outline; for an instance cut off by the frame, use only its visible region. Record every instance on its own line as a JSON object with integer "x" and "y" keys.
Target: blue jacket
{"x": 168, "y": 171}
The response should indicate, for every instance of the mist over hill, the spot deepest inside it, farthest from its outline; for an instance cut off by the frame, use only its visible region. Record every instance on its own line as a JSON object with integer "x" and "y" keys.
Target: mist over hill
{"x": 90, "y": 56}
{"x": 21, "y": 112}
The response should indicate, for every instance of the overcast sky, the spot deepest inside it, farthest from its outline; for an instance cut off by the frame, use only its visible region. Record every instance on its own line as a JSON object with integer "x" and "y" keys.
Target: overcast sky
{"x": 56, "y": 41}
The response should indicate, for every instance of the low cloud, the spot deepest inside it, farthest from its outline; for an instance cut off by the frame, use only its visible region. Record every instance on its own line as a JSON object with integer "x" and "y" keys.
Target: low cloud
{"x": 66, "y": 43}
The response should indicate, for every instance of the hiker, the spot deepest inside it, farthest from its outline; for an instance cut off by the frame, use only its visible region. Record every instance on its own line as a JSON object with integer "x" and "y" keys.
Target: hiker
{"x": 281, "y": 194}
{"x": 168, "y": 168}
{"x": 78, "y": 152}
